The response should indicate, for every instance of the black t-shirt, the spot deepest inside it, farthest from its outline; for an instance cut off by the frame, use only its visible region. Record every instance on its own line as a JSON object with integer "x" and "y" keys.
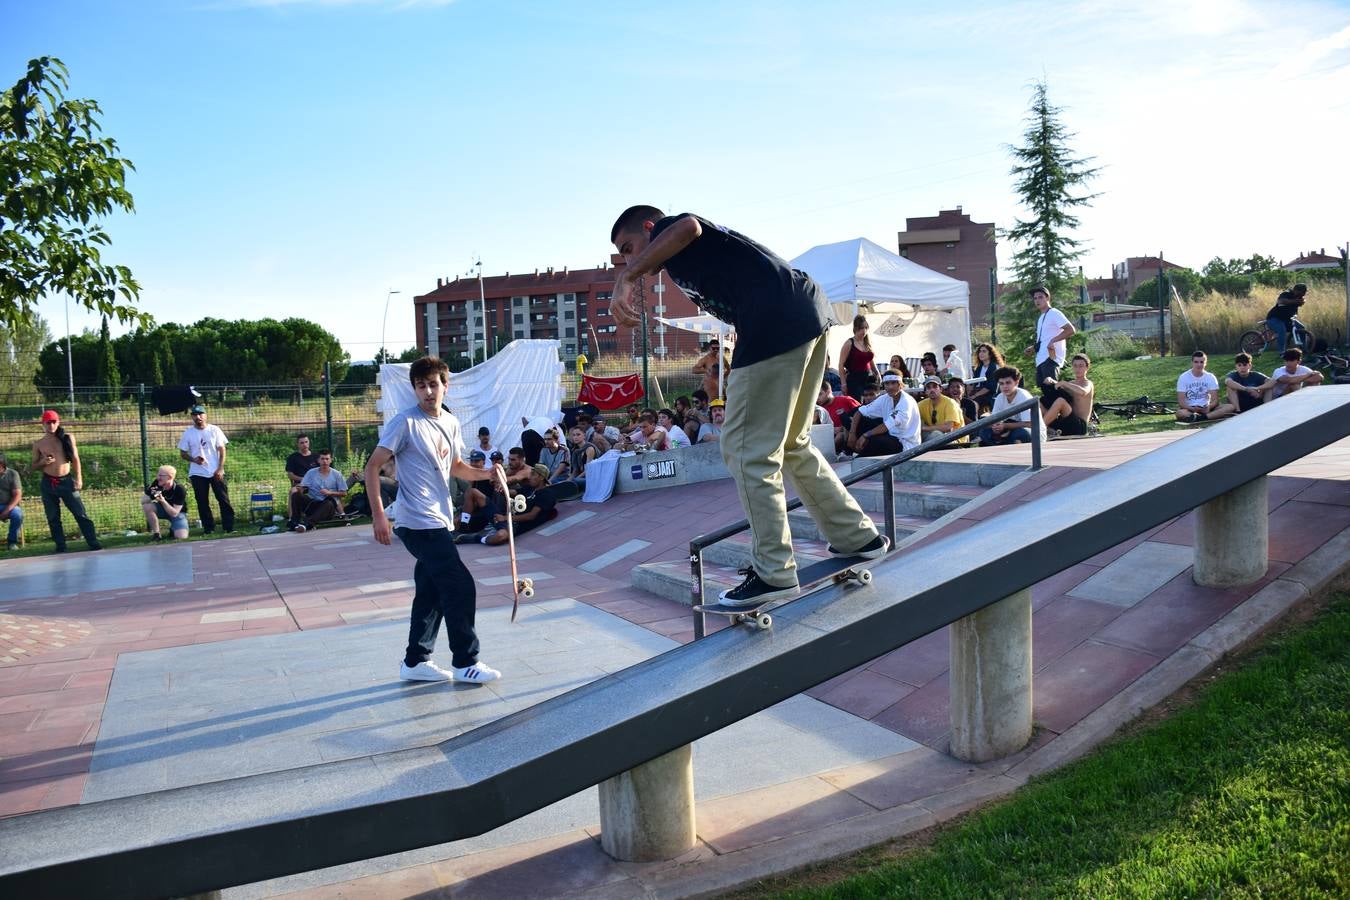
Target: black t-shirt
{"x": 298, "y": 465}
{"x": 174, "y": 496}
{"x": 773, "y": 306}
{"x": 970, "y": 410}
{"x": 1253, "y": 379}
{"x": 544, "y": 501}
{"x": 1283, "y": 310}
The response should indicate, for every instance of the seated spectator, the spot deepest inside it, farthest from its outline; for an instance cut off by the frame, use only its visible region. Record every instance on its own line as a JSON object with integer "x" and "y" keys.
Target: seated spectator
{"x": 580, "y": 452}
{"x": 861, "y": 423}
{"x": 697, "y": 415}
{"x": 11, "y": 494}
{"x": 840, "y": 409}
{"x": 300, "y": 462}
{"x": 554, "y": 456}
{"x": 666, "y": 420}
{"x": 649, "y": 435}
{"x": 531, "y": 441}
{"x": 357, "y": 503}
{"x": 938, "y": 413}
{"x": 165, "y": 499}
{"x": 952, "y": 363}
{"x": 898, "y": 365}
{"x": 540, "y": 506}
{"x": 485, "y": 442}
{"x": 832, "y": 376}
{"x": 682, "y": 410}
{"x": 988, "y": 360}
{"x": 1070, "y": 406}
{"x": 712, "y": 431}
{"x": 1198, "y": 393}
{"x": 321, "y": 495}
{"x": 956, "y": 389}
{"x": 899, "y": 415}
{"x": 1293, "y": 374}
{"x": 1016, "y": 430}
{"x": 517, "y": 472}
{"x": 631, "y": 425}
{"x": 929, "y": 365}
{"x": 1246, "y": 389}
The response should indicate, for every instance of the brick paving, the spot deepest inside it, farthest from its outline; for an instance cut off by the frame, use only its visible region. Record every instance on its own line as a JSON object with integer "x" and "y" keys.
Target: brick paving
{"x": 1088, "y": 645}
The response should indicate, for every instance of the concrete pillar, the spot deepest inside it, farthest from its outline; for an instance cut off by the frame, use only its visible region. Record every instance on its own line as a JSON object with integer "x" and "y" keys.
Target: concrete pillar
{"x": 647, "y": 813}
{"x": 991, "y": 680}
{"x": 1232, "y": 544}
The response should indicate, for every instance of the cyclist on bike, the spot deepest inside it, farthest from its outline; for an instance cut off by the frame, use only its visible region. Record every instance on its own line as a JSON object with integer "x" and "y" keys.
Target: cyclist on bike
{"x": 1281, "y": 316}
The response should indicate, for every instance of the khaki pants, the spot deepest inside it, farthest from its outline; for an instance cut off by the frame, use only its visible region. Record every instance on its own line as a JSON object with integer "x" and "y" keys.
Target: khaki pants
{"x": 768, "y": 432}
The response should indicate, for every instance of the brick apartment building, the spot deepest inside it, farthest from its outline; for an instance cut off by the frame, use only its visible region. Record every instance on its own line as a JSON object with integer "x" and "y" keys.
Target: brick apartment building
{"x": 954, "y": 245}
{"x": 570, "y": 305}
{"x": 1125, "y": 277}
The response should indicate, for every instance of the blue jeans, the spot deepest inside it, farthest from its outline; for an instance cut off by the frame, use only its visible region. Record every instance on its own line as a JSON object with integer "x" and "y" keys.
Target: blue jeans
{"x": 1015, "y": 436}
{"x": 1281, "y": 329}
{"x": 15, "y": 524}
{"x": 443, "y": 590}
{"x": 55, "y": 491}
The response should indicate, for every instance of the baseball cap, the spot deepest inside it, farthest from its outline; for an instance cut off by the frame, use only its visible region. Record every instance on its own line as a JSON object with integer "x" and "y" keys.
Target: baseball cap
{"x": 476, "y": 456}
{"x": 197, "y": 409}
{"x": 51, "y": 415}
{"x": 931, "y": 379}
{"x": 541, "y": 470}
{"x": 889, "y": 376}
{"x": 718, "y": 403}
{"x": 495, "y": 454}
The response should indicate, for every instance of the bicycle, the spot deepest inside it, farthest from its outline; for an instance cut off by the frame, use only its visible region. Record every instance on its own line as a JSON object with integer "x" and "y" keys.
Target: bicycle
{"x": 1130, "y": 409}
{"x": 1257, "y": 342}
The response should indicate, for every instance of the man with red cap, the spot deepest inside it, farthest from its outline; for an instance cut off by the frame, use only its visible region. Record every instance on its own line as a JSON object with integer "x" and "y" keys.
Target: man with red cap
{"x": 58, "y": 459}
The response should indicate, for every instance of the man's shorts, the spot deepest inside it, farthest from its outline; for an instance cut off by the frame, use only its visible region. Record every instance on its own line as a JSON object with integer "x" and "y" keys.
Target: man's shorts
{"x": 1246, "y": 401}
{"x": 1072, "y": 425}
{"x": 176, "y": 523}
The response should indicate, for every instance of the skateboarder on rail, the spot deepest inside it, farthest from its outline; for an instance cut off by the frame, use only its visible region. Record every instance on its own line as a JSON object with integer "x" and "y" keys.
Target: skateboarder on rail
{"x": 428, "y": 443}
{"x": 781, "y": 317}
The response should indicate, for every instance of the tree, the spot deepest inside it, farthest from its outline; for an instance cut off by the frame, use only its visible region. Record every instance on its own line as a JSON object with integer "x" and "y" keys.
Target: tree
{"x": 108, "y": 374}
{"x": 20, "y": 345}
{"x": 1050, "y": 181}
{"x": 58, "y": 177}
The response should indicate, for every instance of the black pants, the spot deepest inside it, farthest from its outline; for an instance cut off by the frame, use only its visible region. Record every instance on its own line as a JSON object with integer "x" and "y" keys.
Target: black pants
{"x": 443, "y": 590}
{"x": 1047, "y": 369}
{"x": 881, "y": 445}
{"x": 202, "y": 487}
{"x": 56, "y": 491}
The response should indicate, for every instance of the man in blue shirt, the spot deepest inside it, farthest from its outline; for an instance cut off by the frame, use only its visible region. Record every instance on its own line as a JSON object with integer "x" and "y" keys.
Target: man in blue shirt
{"x": 320, "y": 495}
{"x": 781, "y": 318}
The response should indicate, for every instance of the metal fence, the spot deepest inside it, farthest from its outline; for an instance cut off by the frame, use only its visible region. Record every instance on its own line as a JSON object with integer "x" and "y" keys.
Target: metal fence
{"x": 122, "y": 440}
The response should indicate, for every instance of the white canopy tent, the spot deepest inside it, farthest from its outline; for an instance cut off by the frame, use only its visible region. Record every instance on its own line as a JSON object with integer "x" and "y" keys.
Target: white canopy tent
{"x": 911, "y": 309}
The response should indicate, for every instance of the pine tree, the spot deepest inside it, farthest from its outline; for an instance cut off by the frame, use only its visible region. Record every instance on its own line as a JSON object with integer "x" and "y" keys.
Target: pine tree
{"x": 168, "y": 365}
{"x": 1050, "y": 181}
{"x": 108, "y": 375}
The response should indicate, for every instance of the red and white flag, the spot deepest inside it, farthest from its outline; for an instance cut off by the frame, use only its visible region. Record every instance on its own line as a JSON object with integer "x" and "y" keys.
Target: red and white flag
{"x": 610, "y": 393}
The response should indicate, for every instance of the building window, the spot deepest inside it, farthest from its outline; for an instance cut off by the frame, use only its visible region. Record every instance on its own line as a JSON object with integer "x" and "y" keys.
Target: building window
{"x": 567, "y": 314}
{"x": 520, "y": 318}
{"x": 478, "y": 320}
{"x": 569, "y": 331}
{"x": 517, "y": 301}
{"x": 520, "y": 334}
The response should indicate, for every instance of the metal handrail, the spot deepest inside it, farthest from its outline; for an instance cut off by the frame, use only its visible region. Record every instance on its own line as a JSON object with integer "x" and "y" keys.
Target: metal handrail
{"x": 886, "y": 466}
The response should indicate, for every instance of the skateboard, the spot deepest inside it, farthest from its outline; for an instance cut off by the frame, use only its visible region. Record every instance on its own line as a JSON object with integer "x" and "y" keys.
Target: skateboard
{"x": 835, "y": 570}
{"x": 521, "y": 587}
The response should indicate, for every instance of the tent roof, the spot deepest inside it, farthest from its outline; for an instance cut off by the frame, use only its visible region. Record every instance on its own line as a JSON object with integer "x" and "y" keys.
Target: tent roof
{"x": 859, "y": 271}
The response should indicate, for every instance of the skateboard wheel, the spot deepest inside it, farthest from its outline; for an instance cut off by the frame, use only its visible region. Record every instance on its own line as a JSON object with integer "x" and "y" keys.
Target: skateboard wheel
{"x": 527, "y": 593}
{"x": 518, "y": 504}
{"x": 527, "y": 584}
{"x": 765, "y": 621}
{"x": 865, "y": 576}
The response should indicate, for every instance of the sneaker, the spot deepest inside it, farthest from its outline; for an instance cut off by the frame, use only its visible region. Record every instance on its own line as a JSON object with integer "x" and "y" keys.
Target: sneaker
{"x": 423, "y": 671}
{"x": 876, "y": 548}
{"x": 477, "y": 673}
{"x": 13, "y": 547}
{"x": 1052, "y": 433}
{"x": 300, "y": 529}
{"x": 754, "y": 591}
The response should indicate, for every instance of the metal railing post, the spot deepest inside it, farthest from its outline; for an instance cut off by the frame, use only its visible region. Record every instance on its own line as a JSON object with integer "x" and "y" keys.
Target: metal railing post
{"x": 145, "y": 438}
{"x": 696, "y": 587}
{"x": 888, "y": 501}
{"x": 328, "y": 401}
{"x": 1036, "y": 436}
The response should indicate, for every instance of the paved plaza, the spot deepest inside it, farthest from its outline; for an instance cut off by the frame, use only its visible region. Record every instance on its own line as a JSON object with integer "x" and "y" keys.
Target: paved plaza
{"x": 136, "y": 670}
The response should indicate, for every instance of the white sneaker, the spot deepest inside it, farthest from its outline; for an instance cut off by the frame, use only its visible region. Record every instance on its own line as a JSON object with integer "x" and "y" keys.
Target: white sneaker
{"x": 424, "y": 671}
{"x": 477, "y": 673}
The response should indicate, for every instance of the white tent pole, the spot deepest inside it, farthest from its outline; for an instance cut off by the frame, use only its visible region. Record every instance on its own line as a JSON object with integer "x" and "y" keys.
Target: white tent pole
{"x": 721, "y": 381}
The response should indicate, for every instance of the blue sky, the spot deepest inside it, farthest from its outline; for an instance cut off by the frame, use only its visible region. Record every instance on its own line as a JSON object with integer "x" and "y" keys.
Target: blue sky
{"x": 303, "y": 157}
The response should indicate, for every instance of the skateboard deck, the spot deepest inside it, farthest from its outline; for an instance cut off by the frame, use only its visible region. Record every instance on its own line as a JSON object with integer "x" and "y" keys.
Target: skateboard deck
{"x": 834, "y": 570}
{"x": 519, "y": 586}
{"x": 343, "y": 519}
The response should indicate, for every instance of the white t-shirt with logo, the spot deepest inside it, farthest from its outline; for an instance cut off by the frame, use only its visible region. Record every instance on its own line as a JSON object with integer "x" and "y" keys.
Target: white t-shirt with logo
{"x": 1049, "y": 324}
{"x": 205, "y": 442}
{"x": 1196, "y": 388}
{"x": 426, "y": 447}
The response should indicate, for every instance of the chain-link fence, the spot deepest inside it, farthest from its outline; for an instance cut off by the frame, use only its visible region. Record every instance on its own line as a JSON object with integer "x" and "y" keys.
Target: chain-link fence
{"x": 122, "y": 440}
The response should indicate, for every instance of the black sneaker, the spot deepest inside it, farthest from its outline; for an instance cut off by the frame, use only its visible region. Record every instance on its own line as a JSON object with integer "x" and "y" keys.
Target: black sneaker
{"x": 753, "y": 591}
{"x": 876, "y": 548}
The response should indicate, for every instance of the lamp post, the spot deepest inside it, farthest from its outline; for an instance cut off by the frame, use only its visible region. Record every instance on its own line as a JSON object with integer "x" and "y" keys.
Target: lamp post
{"x": 70, "y": 360}
{"x": 384, "y": 326}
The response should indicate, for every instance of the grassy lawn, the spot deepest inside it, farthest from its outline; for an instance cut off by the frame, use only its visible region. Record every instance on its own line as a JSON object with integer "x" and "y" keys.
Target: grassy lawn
{"x": 1242, "y": 792}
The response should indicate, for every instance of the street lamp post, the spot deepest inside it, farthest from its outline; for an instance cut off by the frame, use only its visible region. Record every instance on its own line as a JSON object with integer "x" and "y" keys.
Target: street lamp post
{"x": 384, "y": 326}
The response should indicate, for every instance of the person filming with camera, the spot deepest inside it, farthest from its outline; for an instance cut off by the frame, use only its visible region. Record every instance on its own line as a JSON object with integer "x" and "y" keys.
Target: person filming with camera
{"x": 165, "y": 498}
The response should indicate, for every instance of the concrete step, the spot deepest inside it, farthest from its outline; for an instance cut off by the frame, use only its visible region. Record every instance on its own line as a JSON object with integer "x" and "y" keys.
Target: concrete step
{"x": 945, "y": 467}
{"x": 804, "y": 527}
{"x": 913, "y": 498}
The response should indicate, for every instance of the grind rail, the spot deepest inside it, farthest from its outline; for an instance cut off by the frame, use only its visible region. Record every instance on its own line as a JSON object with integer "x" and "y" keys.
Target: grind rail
{"x": 201, "y": 838}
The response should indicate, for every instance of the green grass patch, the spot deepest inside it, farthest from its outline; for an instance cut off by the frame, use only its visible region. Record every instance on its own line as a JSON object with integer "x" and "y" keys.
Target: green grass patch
{"x": 1243, "y": 793}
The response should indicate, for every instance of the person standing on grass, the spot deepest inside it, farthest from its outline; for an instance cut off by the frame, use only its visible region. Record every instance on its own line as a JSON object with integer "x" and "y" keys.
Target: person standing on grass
{"x": 58, "y": 459}
{"x": 428, "y": 443}
{"x": 11, "y": 493}
{"x": 781, "y": 319}
{"x": 203, "y": 445}
{"x": 1052, "y": 330}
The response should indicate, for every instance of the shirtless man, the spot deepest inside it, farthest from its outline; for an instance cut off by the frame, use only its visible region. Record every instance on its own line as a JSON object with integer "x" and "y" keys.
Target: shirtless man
{"x": 1070, "y": 409}
{"x": 57, "y": 458}
{"x": 714, "y": 367}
